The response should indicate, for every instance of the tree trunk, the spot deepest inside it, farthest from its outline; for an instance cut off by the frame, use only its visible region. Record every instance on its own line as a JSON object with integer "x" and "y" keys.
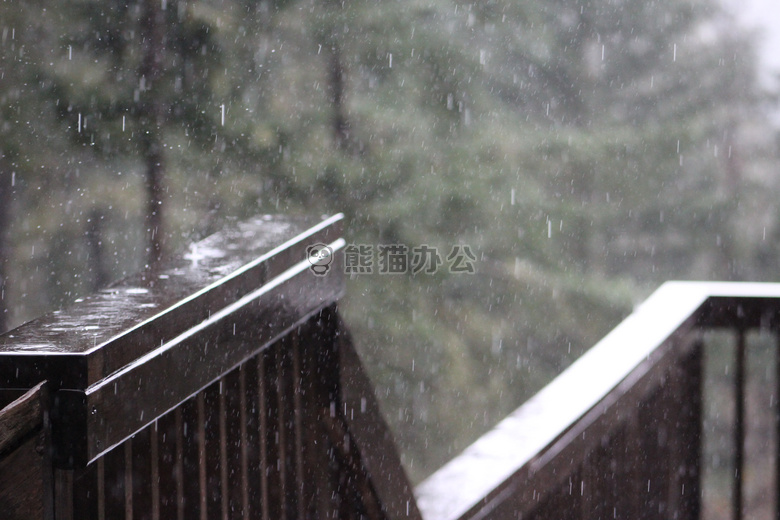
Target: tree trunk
{"x": 336, "y": 76}
{"x": 152, "y": 114}
{"x": 155, "y": 202}
{"x": 6, "y": 197}
{"x": 97, "y": 261}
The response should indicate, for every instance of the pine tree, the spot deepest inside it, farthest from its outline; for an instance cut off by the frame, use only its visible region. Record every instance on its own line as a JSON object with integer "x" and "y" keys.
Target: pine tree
{"x": 140, "y": 88}
{"x": 31, "y": 149}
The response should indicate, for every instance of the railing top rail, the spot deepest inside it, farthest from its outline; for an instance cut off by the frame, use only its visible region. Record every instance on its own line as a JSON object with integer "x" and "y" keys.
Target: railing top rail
{"x": 496, "y": 464}
{"x": 103, "y": 332}
{"x": 119, "y": 359}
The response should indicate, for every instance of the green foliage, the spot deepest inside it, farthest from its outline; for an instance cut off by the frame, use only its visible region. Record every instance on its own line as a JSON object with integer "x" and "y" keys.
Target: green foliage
{"x": 584, "y": 151}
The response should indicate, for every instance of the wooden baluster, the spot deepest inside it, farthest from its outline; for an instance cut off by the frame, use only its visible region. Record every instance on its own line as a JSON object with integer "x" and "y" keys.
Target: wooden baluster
{"x": 223, "y": 439}
{"x": 595, "y": 486}
{"x": 141, "y": 473}
{"x": 241, "y": 444}
{"x": 114, "y": 482}
{"x": 254, "y": 464}
{"x": 691, "y": 434}
{"x": 263, "y": 438}
{"x": 298, "y": 419}
{"x": 777, "y": 424}
{"x": 319, "y": 386}
{"x": 287, "y": 437}
{"x": 128, "y": 474}
{"x": 634, "y": 459}
{"x": 235, "y": 470}
{"x": 273, "y": 436}
{"x": 654, "y": 475}
{"x": 155, "y": 469}
{"x": 213, "y": 452}
{"x": 188, "y": 444}
{"x": 203, "y": 474}
{"x": 168, "y": 467}
{"x": 739, "y": 425}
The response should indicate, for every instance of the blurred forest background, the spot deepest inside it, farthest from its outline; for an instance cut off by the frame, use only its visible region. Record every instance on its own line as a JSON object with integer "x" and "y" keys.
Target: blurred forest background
{"x": 586, "y": 151}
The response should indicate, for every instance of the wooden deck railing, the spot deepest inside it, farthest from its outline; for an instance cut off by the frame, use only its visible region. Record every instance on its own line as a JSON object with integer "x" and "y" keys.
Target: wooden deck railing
{"x": 223, "y": 385}
{"x": 619, "y": 433}
{"x": 220, "y": 385}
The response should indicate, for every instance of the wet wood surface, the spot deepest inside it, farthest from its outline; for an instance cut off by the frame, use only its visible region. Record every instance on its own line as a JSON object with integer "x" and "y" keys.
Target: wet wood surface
{"x": 229, "y": 393}
{"x": 25, "y": 468}
{"x": 103, "y": 332}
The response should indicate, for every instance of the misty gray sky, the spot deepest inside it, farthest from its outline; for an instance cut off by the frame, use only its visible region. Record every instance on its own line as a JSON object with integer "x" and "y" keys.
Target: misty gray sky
{"x": 763, "y": 16}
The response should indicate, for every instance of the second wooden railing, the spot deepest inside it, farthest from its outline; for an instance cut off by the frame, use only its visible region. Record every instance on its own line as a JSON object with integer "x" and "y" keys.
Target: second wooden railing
{"x": 619, "y": 433}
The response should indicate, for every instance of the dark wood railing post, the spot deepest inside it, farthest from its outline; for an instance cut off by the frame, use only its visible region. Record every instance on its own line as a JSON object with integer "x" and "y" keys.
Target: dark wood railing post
{"x": 692, "y": 397}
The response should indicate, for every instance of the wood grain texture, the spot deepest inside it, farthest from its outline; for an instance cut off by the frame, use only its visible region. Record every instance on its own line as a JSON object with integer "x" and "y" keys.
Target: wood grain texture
{"x": 26, "y": 479}
{"x": 21, "y": 417}
{"x": 22, "y": 482}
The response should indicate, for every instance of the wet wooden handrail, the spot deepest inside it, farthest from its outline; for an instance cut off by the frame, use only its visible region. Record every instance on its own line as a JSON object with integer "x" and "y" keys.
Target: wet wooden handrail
{"x": 220, "y": 384}
{"x": 148, "y": 335}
